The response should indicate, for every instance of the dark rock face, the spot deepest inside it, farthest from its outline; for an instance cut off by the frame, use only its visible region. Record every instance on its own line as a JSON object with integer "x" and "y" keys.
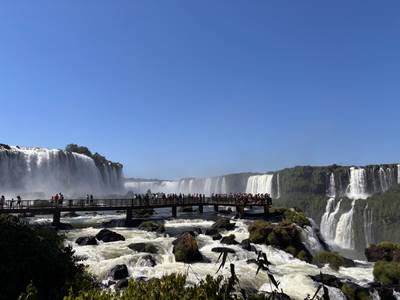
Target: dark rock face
{"x": 386, "y": 251}
{"x": 119, "y": 272}
{"x": 217, "y": 236}
{"x": 211, "y": 231}
{"x": 246, "y": 245}
{"x": 152, "y": 226}
{"x": 223, "y": 224}
{"x": 327, "y": 279}
{"x": 186, "y": 249}
{"x": 86, "y": 240}
{"x": 122, "y": 284}
{"x": 229, "y": 240}
{"x": 143, "y": 247}
{"x": 106, "y": 236}
{"x": 223, "y": 249}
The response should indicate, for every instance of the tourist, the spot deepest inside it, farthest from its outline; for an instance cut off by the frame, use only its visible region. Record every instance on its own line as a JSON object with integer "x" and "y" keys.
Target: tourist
{"x": 11, "y": 203}
{"x": 87, "y": 199}
{"x": 2, "y": 201}
{"x": 61, "y": 197}
{"x": 91, "y": 199}
{"x": 19, "y": 201}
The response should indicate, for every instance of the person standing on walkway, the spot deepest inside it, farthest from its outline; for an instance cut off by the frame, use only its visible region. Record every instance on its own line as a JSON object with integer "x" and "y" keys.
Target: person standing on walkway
{"x": 2, "y": 201}
{"x": 19, "y": 201}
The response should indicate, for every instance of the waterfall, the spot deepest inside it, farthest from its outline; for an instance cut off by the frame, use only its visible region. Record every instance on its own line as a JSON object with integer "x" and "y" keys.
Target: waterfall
{"x": 259, "y": 184}
{"x": 398, "y": 174}
{"x": 278, "y": 186}
{"x": 344, "y": 236}
{"x": 367, "y": 218}
{"x": 330, "y": 219}
{"x": 332, "y": 186}
{"x": 384, "y": 179}
{"x": 49, "y": 171}
{"x": 358, "y": 184}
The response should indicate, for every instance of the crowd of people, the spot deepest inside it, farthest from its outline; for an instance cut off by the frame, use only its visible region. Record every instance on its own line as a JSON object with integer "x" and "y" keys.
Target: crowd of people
{"x": 10, "y": 203}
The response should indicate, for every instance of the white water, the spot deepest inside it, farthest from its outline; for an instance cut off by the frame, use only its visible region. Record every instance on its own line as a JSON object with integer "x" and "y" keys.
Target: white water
{"x": 329, "y": 220}
{"x": 279, "y": 186}
{"x": 367, "y": 218}
{"x": 49, "y": 171}
{"x": 398, "y": 174}
{"x": 344, "y": 236}
{"x": 385, "y": 178}
{"x": 358, "y": 184}
{"x": 291, "y": 272}
{"x": 332, "y": 186}
{"x": 259, "y": 184}
{"x": 207, "y": 186}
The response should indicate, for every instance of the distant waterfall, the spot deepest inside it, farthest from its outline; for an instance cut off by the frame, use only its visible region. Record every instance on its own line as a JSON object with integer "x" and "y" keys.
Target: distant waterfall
{"x": 330, "y": 219}
{"x": 367, "y": 218}
{"x": 398, "y": 174}
{"x": 385, "y": 178}
{"x": 207, "y": 186}
{"x": 37, "y": 170}
{"x": 344, "y": 236}
{"x": 278, "y": 187}
{"x": 357, "y": 188}
{"x": 259, "y": 184}
{"x": 332, "y": 186}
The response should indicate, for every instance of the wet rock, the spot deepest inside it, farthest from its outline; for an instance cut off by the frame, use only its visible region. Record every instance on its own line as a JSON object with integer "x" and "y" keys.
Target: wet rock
{"x": 148, "y": 261}
{"x": 86, "y": 240}
{"x": 229, "y": 240}
{"x": 217, "y": 237}
{"x": 122, "y": 223}
{"x": 223, "y": 249}
{"x": 246, "y": 245}
{"x": 119, "y": 272}
{"x": 211, "y": 231}
{"x": 186, "y": 249}
{"x": 143, "y": 212}
{"x": 122, "y": 284}
{"x": 153, "y": 226}
{"x": 70, "y": 214}
{"x": 225, "y": 211}
{"x": 327, "y": 279}
{"x": 223, "y": 224}
{"x": 143, "y": 247}
{"x": 107, "y": 236}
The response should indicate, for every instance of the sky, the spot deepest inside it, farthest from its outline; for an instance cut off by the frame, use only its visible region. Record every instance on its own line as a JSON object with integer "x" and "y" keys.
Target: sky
{"x": 174, "y": 89}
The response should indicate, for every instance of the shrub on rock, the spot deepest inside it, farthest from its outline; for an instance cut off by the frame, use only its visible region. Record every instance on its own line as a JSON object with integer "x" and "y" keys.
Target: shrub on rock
{"x": 386, "y": 251}
{"x": 333, "y": 259}
{"x": 387, "y": 273}
{"x": 153, "y": 226}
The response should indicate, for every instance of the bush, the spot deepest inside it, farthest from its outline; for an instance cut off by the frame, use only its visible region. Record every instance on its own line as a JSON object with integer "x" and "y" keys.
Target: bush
{"x": 387, "y": 273}
{"x": 36, "y": 254}
{"x": 333, "y": 259}
{"x": 259, "y": 231}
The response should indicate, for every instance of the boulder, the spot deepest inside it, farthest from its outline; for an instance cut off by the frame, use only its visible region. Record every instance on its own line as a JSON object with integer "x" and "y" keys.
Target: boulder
{"x": 223, "y": 249}
{"x": 107, "y": 235}
{"x": 217, "y": 237}
{"x": 186, "y": 249}
{"x": 143, "y": 247}
{"x": 229, "y": 240}
{"x": 327, "y": 279}
{"x": 152, "y": 226}
{"x": 246, "y": 245}
{"x": 386, "y": 251}
{"x": 119, "y": 272}
{"x": 211, "y": 231}
{"x": 86, "y": 240}
{"x": 147, "y": 261}
{"x": 122, "y": 284}
{"x": 223, "y": 224}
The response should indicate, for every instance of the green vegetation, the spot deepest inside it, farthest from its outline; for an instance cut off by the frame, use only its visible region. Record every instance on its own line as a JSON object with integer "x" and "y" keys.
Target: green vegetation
{"x": 98, "y": 158}
{"x": 353, "y": 292}
{"x": 387, "y": 251}
{"x": 168, "y": 287}
{"x": 387, "y": 273}
{"x": 35, "y": 257}
{"x": 283, "y": 236}
{"x": 332, "y": 258}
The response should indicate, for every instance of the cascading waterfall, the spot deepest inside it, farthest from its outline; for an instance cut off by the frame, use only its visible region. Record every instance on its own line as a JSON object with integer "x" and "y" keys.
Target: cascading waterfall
{"x": 344, "y": 236}
{"x": 385, "y": 178}
{"x": 278, "y": 186}
{"x": 332, "y": 186}
{"x": 367, "y": 218}
{"x": 259, "y": 184}
{"x": 329, "y": 220}
{"x": 45, "y": 171}
{"x": 357, "y": 188}
{"x": 398, "y": 174}
{"x": 207, "y": 186}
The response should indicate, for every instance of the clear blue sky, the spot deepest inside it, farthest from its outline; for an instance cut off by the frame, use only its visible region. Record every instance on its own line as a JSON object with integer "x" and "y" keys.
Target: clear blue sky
{"x": 195, "y": 88}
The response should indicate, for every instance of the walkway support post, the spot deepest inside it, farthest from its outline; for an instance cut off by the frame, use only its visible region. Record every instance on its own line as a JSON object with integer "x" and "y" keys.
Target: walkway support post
{"x": 174, "y": 214}
{"x": 266, "y": 210}
{"x": 239, "y": 211}
{"x": 56, "y": 217}
{"x": 201, "y": 208}
{"x": 129, "y": 214}
{"x": 216, "y": 207}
